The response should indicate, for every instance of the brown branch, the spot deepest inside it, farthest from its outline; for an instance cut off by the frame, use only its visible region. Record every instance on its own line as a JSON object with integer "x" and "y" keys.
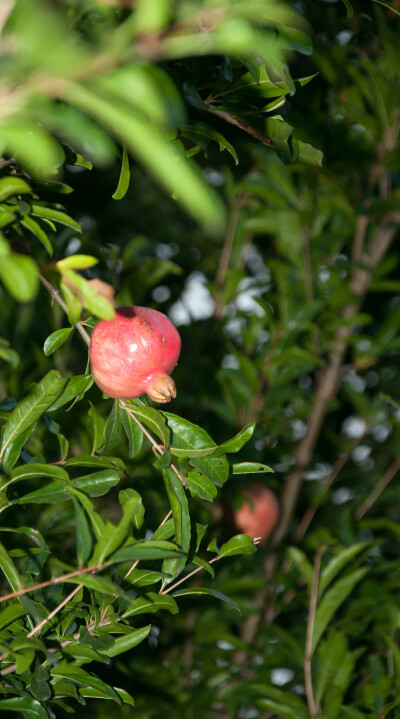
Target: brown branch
{"x": 309, "y": 514}
{"x": 240, "y": 123}
{"x": 328, "y": 378}
{"x": 377, "y": 490}
{"x": 55, "y": 580}
{"x": 180, "y": 581}
{"x": 238, "y": 204}
{"x": 312, "y": 706}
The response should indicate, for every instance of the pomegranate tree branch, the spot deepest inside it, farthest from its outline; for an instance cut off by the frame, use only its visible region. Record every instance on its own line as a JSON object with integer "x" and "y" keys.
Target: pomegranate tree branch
{"x": 180, "y": 581}
{"x": 240, "y": 123}
{"x": 377, "y": 490}
{"x": 238, "y": 203}
{"x": 55, "y": 580}
{"x": 157, "y": 447}
{"x": 56, "y": 296}
{"x": 329, "y": 377}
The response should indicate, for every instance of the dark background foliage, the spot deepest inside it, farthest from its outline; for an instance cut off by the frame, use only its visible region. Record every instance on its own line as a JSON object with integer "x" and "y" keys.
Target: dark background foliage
{"x": 289, "y": 318}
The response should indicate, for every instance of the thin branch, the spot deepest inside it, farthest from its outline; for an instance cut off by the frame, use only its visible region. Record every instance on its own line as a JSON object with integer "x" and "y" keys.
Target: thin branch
{"x": 377, "y": 490}
{"x": 312, "y": 706}
{"x": 239, "y": 122}
{"x": 309, "y": 514}
{"x": 180, "y": 581}
{"x": 55, "y": 580}
{"x": 238, "y": 204}
{"x": 39, "y": 627}
{"x": 328, "y": 379}
{"x": 79, "y": 326}
{"x": 157, "y": 447}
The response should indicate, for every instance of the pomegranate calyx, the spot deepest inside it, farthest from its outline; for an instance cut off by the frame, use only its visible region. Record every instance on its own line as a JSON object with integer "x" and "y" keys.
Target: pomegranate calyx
{"x": 161, "y": 388}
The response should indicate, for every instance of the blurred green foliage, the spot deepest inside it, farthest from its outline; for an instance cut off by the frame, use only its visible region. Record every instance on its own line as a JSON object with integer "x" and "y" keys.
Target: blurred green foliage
{"x": 186, "y": 141}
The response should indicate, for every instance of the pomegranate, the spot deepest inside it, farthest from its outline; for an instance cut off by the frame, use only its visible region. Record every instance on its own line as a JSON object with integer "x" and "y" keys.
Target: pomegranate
{"x": 134, "y": 353}
{"x": 258, "y": 515}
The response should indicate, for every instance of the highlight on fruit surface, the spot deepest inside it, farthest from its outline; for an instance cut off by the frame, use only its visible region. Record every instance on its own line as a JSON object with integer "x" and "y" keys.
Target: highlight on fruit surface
{"x": 259, "y": 513}
{"x": 134, "y": 353}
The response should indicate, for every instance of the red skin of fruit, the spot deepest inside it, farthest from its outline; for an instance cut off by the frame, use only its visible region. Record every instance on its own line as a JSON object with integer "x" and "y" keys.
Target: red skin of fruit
{"x": 134, "y": 353}
{"x": 259, "y": 513}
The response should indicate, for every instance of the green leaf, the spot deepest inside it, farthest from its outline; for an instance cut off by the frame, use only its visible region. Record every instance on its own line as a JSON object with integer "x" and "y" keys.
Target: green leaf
{"x": 76, "y": 262}
{"x": 10, "y": 614}
{"x": 113, "y": 536}
{"x": 337, "y": 563}
{"x": 6, "y": 218}
{"x": 332, "y": 601}
{"x": 91, "y": 299}
{"x": 151, "y": 603}
{"x": 388, "y": 5}
{"x": 53, "y": 493}
{"x": 74, "y": 306}
{"x": 29, "y": 471}
{"x": 250, "y": 468}
{"x": 19, "y": 275}
{"x": 141, "y": 578}
{"x": 146, "y": 550}
{"x": 82, "y": 678}
{"x": 240, "y": 544}
{"x": 133, "y": 433}
{"x": 124, "y": 178}
{"x": 8, "y": 354}
{"x": 180, "y": 514}
{"x": 38, "y": 151}
{"x": 83, "y": 536}
{"x": 349, "y": 9}
{"x": 10, "y": 186}
{"x": 95, "y": 519}
{"x": 309, "y": 154}
{"x": 299, "y": 559}
{"x": 49, "y": 213}
{"x": 200, "y": 486}
{"x": 332, "y": 654}
{"x": 55, "y": 340}
{"x": 76, "y": 386}
{"x": 36, "y": 230}
{"x": 193, "y": 129}
{"x": 128, "y": 641}
{"x": 30, "y": 708}
{"x": 113, "y": 431}
{"x": 188, "y": 436}
{"x": 157, "y": 155}
{"x": 9, "y": 569}
{"x": 209, "y": 592}
{"x": 124, "y": 696}
{"x": 13, "y": 450}
{"x": 29, "y": 410}
{"x": 165, "y": 531}
{"x": 154, "y": 420}
{"x": 98, "y": 425}
{"x": 98, "y": 483}
{"x": 295, "y": 39}
{"x": 230, "y": 446}
{"x": 138, "y": 513}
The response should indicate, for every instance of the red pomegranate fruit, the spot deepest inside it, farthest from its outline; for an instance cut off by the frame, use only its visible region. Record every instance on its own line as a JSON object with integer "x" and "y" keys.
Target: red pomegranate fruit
{"x": 259, "y": 513}
{"x": 134, "y": 353}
